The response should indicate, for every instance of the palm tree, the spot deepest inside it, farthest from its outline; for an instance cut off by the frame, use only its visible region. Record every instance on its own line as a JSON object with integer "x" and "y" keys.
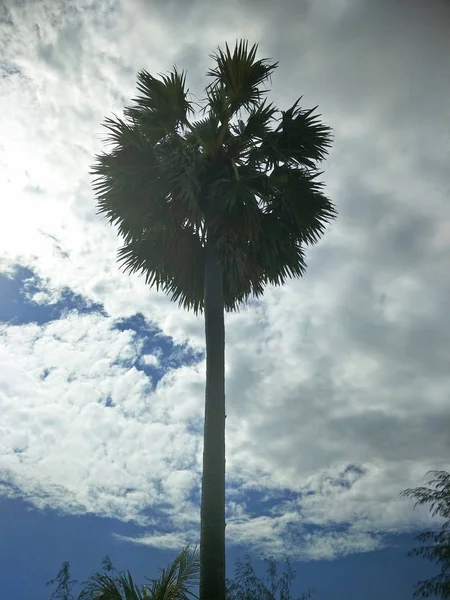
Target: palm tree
{"x": 173, "y": 584}
{"x": 212, "y": 210}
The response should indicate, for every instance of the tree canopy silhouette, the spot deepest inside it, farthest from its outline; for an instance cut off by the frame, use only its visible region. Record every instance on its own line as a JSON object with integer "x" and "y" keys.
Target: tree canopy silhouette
{"x": 435, "y": 544}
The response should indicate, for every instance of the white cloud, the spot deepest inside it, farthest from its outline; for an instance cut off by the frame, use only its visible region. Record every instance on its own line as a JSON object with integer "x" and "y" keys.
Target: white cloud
{"x": 163, "y": 541}
{"x": 150, "y": 359}
{"x": 59, "y": 436}
{"x": 348, "y": 366}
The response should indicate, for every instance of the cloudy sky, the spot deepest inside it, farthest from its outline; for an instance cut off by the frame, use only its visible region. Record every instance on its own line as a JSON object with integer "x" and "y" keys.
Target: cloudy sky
{"x": 337, "y": 384}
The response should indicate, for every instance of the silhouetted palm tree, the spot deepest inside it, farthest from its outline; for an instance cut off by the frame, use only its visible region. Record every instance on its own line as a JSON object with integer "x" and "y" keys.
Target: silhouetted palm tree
{"x": 212, "y": 210}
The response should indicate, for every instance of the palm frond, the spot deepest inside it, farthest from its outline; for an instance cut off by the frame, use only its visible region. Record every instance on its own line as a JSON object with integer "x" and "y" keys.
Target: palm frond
{"x": 163, "y": 102}
{"x": 175, "y": 581}
{"x": 127, "y": 197}
{"x": 102, "y": 586}
{"x": 247, "y": 135}
{"x": 302, "y": 137}
{"x": 180, "y": 169}
{"x": 240, "y": 75}
{"x": 299, "y": 139}
{"x": 217, "y": 102}
{"x": 278, "y": 251}
{"x": 297, "y": 200}
{"x": 242, "y": 213}
{"x": 140, "y": 186}
{"x": 170, "y": 259}
{"x": 204, "y": 134}
{"x": 259, "y": 120}
{"x": 249, "y": 266}
{"x": 121, "y": 133}
{"x": 188, "y": 568}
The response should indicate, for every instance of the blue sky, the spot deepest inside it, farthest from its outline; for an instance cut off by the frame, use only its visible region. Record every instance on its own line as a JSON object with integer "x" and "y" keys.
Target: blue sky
{"x": 34, "y": 543}
{"x": 337, "y": 384}
{"x": 36, "y": 537}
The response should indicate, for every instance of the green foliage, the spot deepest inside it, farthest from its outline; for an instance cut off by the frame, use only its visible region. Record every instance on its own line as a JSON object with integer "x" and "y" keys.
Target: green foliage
{"x": 239, "y": 75}
{"x": 107, "y": 566}
{"x": 244, "y": 175}
{"x": 173, "y": 583}
{"x": 180, "y": 575}
{"x": 63, "y": 583}
{"x": 435, "y": 544}
{"x": 247, "y": 586}
{"x": 163, "y": 103}
{"x": 176, "y": 580}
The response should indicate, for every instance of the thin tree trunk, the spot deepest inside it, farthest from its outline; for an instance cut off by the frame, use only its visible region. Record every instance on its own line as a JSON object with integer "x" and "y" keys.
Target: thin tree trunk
{"x": 212, "y": 532}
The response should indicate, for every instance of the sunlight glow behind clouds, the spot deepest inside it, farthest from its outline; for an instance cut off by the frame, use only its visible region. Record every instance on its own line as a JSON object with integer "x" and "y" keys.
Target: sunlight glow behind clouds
{"x": 348, "y": 366}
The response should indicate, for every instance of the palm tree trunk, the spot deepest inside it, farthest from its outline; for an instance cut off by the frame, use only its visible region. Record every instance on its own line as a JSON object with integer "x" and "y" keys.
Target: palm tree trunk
{"x": 212, "y": 528}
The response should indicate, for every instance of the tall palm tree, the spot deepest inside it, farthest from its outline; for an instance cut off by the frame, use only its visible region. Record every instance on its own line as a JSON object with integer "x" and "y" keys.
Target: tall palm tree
{"x": 211, "y": 210}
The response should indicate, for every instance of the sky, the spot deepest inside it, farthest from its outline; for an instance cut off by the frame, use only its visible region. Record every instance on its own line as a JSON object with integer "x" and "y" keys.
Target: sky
{"x": 337, "y": 383}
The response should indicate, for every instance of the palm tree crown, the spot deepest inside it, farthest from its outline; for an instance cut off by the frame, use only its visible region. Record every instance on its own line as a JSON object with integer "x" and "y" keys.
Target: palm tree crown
{"x": 243, "y": 175}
